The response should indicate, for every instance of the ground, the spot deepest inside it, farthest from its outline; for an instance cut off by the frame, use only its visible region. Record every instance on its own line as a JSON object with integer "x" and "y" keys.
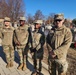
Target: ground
{"x": 71, "y": 57}
{"x": 72, "y": 61}
{"x": 13, "y": 70}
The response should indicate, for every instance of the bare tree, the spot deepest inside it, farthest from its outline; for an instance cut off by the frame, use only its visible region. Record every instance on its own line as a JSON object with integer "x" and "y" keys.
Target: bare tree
{"x": 67, "y": 23}
{"x": 12, "y": 8}
{"x": 50, "y": 18}
{"x": 30, "y": 18}
{"x": 38, "y": 15}
{"x": 3, "y": 9}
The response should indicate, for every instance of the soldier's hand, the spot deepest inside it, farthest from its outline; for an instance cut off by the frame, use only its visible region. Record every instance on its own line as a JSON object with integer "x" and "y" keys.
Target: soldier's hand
{"x": 33, "y": 50}
{"x": 18, "y": 43}
{"x": 32, "y": 54}
{"x": 52, "y": 54}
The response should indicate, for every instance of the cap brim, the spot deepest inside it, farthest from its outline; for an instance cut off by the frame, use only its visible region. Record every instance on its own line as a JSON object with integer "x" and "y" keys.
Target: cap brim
{"x": 59, "y": 18}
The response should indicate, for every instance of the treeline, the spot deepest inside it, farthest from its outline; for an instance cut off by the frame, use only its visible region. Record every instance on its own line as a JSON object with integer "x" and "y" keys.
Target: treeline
{"x": 11, "y": 8}
{"x": 16, "y": 8}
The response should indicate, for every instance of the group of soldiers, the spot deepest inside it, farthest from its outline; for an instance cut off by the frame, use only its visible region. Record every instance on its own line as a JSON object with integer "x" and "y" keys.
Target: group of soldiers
{"x": 23, "y": 38}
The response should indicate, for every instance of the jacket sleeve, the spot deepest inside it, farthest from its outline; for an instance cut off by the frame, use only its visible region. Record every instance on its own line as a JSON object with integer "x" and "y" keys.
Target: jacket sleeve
{"x": 15, "y": 38}
{"x": 48, "y": 43}
{"x": 42, "y": 41}
{"x": 27, "y": 38}
{"x": 1, "y": 34}
{"x": 30, "y": 37}
{"x": 62, "y": 50}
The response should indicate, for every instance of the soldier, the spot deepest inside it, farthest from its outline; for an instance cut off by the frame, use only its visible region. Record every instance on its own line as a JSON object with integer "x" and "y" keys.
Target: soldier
{"x": 38, "y": 40}
{"x": 21, "y": 40}
{"x": 1, "y": 25}
{"x": 6, "y": 35}
{"x": 58, "y": 43}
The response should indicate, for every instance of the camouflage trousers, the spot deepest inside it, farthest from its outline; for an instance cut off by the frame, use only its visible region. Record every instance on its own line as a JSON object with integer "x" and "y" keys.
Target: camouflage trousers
{"x": 57, "y": 67}
{"x": 37, "y": 62}
{"x": 9, "y": 53}
{"x": 22, "y": 55}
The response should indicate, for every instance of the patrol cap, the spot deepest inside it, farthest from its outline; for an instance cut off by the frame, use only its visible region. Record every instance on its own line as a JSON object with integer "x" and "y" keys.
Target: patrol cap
{"x": 38, "y": 21}
{"x": 59, "y": 16}
{"x": 7, "y": 19}
{"x": 22, "y": 18}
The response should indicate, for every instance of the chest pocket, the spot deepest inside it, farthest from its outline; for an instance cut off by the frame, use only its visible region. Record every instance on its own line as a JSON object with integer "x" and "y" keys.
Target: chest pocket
{"x": 60, "y": 38}
{"x": 21, "y": 32}
{"x": 51, "y": 36}
{"x": 36, "y": 38}
{"x": 60, "y": 35}
{"x": 7, "y": 32}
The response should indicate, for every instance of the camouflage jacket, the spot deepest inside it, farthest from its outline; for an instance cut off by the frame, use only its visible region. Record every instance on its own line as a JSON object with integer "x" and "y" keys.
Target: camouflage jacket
{"x": 59, "y": 40}
{"x": 21, "y": 36}
{"x": 6, "y": 34}
{"x": 38, "y": 39}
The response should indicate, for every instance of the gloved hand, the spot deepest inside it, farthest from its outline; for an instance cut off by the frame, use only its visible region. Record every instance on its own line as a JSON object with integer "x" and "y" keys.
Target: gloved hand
{"x": 33, "y": 50}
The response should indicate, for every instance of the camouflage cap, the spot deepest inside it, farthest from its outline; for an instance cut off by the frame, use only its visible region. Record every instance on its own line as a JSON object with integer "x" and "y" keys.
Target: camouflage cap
{"x": 22, "y": 18}
{"x": 7, "y": 19}
{"x": 38, "y": 21}
{"x": 59, "y": 16}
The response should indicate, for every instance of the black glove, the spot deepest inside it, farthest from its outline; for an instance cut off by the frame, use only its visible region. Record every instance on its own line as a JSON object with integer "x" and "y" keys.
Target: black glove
{"x": 33, "y": 50}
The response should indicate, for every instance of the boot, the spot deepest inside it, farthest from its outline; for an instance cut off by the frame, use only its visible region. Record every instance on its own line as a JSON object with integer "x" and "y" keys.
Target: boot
{"x": 35, "y": 73}
{"x": 24, "y": 67}
{"x": 11, "y": 64}
{"x": 8, "y": 65}
{"x": 20, "y": 67}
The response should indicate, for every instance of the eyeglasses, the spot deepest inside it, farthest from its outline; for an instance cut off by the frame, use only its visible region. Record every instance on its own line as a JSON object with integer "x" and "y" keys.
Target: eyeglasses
{"x": 58, "y": 20}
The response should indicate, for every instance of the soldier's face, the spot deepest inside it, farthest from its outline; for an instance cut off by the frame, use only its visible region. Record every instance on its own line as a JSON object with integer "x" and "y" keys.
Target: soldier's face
{"x": 59, "y": 22}
{"x": 7, "y": 23}
{"x": 37, "y": 26}
{"x": 22, "y": 22}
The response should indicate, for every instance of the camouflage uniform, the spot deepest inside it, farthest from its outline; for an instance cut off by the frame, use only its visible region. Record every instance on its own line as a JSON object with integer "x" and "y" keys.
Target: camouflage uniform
{"x": 21, "y": 40}
{"x": 6, "y": 35}
{"x": 38, "y": 40}
{"x": 1, "y": 23}
{"x": 58, "y": 41}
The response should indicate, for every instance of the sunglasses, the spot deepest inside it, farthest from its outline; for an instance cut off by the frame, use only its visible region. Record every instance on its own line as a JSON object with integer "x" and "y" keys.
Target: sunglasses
{"x": 58, "y": 20}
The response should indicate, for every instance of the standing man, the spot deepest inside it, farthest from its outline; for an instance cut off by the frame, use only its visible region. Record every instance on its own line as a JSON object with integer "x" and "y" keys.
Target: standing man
{"x": 21, "y": 40}
{"x": 38, "y": 40}
{"x": 58, "y": 43}
{"x": 1, "y": 25}
{"x": 6, "y": 34}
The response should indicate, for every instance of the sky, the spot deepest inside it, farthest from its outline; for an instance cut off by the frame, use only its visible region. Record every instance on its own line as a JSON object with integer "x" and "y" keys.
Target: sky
{"x": 67, "y": 7}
